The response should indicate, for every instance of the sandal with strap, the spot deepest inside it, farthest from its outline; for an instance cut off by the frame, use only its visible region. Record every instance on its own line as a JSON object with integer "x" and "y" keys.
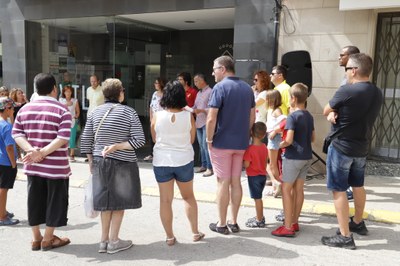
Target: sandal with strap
{"x": 170, "y": 241}
{"x": 55, "y": 242}
{"x": 36, "y": 244}
{"x": 199, "y": 236}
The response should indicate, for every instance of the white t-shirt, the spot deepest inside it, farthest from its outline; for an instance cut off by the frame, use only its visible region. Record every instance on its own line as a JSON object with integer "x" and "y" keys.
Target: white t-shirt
{"x": 173, "y": 146}
{"x": 95, "y": 97}
{"x": 261, "y": 110}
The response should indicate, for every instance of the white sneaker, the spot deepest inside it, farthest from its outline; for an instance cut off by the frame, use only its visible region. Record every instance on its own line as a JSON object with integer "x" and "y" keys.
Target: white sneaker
{"x": 120, "y": 245}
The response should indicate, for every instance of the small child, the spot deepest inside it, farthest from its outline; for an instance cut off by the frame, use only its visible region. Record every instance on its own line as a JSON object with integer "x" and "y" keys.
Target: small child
{"x": 8, "y": 160}
{"x": 274, "y": 116}
{"x": 297, "y": 159}
{"x": 255, "y": 161}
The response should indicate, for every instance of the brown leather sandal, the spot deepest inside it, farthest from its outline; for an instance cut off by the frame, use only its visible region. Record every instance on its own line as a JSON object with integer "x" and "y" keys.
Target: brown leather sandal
{"x": 36, "y": 244}
{"x": 56, "y": 242}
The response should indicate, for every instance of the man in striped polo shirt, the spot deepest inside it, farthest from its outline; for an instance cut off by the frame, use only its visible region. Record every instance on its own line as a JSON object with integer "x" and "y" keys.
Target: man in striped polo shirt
{"x": 42, "y": 130}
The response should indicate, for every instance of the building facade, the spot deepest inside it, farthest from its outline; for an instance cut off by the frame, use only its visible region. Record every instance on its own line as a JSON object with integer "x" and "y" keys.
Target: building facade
{"x": 138, "y": 41}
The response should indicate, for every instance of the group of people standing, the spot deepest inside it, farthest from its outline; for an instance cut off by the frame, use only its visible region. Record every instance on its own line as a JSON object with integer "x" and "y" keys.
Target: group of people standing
{"x": 225, "y": 119}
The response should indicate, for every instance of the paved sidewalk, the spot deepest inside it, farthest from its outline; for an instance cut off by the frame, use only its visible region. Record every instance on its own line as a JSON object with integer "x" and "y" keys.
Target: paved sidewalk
{"x": 383, "y": 197}
{"x": 252, "y": 246}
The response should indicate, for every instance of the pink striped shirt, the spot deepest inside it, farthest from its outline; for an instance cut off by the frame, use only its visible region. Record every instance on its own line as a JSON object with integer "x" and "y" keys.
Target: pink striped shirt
{"x": 40, "y": 122}
{"x": 201, "y": 102}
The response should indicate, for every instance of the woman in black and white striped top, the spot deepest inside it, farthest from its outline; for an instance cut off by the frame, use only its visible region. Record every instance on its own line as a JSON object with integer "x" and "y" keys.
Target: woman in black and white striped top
{"x": 110, "y": 147}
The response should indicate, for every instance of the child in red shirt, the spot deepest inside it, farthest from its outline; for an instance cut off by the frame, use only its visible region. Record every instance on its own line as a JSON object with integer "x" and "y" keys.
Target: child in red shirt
{"x": 255, "y": 161}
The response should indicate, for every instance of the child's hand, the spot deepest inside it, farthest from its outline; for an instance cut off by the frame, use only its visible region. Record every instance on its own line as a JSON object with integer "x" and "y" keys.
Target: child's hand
{"x": 282, "y": 144}
{"x": 272, "y": 134}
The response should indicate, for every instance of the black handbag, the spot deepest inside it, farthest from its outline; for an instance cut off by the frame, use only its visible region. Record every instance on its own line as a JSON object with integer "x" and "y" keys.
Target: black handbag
{"x": 331, "y": 136}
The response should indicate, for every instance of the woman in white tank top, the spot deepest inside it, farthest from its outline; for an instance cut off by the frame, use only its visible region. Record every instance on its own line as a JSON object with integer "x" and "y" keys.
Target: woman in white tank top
{"x": 173, "y": 131}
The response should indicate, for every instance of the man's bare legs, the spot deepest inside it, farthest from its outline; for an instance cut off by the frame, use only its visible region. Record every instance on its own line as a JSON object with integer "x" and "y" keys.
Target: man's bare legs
{"x": 223, "y": 195}
{"x": 342, "y": 211}
{"x": 236, "y": 198}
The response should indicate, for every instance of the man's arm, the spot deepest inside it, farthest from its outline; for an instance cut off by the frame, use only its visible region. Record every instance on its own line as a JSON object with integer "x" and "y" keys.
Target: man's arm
{"x": 331, "y": 114}
{"x": 24, "y": 144}
{"x": 252, "y": 117}
{"x": 36, "y": 155}
{"x": 210, "y": 124}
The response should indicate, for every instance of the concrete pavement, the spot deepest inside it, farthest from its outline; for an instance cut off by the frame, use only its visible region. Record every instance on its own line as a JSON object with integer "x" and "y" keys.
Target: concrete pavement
{"x": 143, "y": 226}
{"x": 383, "y": 197}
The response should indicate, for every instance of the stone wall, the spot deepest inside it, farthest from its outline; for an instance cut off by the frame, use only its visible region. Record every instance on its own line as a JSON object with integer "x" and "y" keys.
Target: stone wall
{"x": 322, "y": 29}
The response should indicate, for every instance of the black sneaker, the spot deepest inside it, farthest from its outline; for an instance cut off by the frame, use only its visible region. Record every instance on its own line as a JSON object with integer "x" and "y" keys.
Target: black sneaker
{"x": 339, "y": 241}
{"x": 234, "y": 228}
{"x": 360, "y": 228}
{"x": 219, "y": 229}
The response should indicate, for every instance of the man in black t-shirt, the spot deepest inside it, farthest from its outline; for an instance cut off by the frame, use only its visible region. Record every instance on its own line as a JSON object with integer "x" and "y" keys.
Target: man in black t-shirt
{"x": 357, "y": 104}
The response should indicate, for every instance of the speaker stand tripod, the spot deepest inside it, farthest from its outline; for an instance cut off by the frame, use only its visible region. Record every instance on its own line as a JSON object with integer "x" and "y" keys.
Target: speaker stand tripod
{"x": 316, "y": 173}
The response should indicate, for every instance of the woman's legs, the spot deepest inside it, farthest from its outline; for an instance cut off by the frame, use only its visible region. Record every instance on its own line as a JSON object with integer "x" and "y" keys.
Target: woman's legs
{"x": 110, "y": 224}
{"x": 116, "y": 221}
{"x": 186, "y": 189}
{"x": 166, "y": 197}
{"x": 105, "y": 217}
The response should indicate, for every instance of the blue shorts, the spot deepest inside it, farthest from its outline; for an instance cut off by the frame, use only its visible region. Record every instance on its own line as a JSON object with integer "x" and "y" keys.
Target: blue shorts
{"x": 183, "y": 173}
{"x": 343, "y": 171}
{"x": 256, "y": 185}
{"x": 273, "y": 144}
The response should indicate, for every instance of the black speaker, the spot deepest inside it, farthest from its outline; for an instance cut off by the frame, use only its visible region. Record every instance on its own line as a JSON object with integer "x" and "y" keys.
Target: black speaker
{"x": 299, "y": 68}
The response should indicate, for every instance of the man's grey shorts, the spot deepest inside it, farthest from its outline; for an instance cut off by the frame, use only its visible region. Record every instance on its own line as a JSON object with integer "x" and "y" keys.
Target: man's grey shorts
{"x": 293, "y": 169}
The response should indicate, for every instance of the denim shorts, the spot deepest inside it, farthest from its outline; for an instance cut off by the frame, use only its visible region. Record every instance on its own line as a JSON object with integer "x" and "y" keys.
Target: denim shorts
{"x": 343, "y": 171}
{"x": 183, "y": 173}
{"x": 256, "y": 185}
{"x": 273, "y": 144}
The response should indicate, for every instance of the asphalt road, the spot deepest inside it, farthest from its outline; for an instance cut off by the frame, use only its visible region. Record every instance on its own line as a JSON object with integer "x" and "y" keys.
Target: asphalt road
{"x": 143, "y": 227}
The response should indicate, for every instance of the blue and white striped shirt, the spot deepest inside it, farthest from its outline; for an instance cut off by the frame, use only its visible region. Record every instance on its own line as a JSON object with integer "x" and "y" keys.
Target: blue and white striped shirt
{"x": 122, "y": 124}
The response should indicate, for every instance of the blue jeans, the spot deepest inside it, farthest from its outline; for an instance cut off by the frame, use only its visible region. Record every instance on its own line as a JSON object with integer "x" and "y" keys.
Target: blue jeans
{"x": 205, "y": 156}
{"x": 343, "y": 171}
